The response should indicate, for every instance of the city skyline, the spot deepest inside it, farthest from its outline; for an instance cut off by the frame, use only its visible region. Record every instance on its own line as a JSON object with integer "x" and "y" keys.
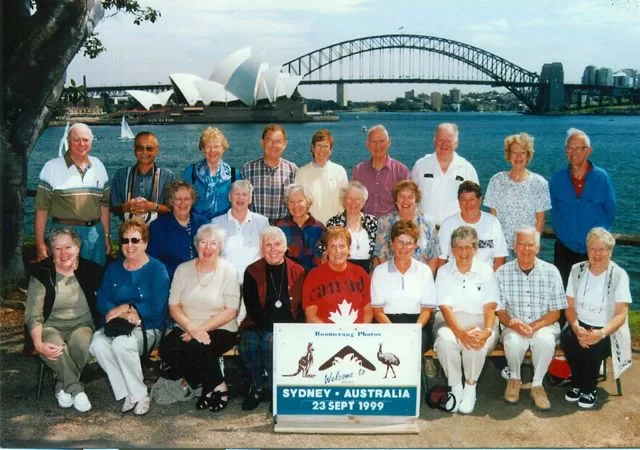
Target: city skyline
{"x": 191, "y": 36}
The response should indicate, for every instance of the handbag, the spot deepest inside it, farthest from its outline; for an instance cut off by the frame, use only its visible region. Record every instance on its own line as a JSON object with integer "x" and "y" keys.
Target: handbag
{"x": 118, "y": 326}
{"x": 441, "y": 397}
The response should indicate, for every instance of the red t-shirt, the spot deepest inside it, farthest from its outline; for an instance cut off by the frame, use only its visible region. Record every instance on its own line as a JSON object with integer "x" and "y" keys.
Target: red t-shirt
{"x": 340, "y": 296}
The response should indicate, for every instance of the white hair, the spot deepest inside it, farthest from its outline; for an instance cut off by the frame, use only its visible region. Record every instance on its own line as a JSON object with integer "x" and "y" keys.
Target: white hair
{"x": 571, "y": 132}
{"x": 80, "y": 126}
{"x": 527, "y": 230}
{"x": 377, "y": 127}
{"x": 297, "y": 187}
{"x": 242, "y": 184}
{"x": 215, "y": 231}
{"x": 444, "y": 125}
{"x": 273, "y": 232}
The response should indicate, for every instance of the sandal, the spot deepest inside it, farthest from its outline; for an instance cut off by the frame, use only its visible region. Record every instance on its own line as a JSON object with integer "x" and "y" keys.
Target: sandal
{"x": 204, "y": 402}
{"x": 217, "y": 403}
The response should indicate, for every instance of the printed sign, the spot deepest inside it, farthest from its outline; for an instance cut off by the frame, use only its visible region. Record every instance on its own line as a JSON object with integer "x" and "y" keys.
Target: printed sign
{"x": 364, "y": 370}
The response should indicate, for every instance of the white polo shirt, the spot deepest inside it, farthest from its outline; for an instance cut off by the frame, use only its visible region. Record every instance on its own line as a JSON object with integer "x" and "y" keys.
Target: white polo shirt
{"x": 467, "y": 292}
{"x": 491, "y": 243}
{"x": 404, "y": 293}
{"x": 440, "y": 190}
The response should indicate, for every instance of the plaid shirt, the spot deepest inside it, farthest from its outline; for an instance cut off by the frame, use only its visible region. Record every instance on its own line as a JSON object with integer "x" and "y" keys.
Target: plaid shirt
{"x": 268, "y": 186}
{"x": 303, "y": 243}
{"x": 529, "y": 297}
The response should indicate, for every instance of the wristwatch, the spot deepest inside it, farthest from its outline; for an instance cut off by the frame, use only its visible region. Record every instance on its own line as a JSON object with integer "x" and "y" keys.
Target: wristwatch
{"x": 157, "y": 207}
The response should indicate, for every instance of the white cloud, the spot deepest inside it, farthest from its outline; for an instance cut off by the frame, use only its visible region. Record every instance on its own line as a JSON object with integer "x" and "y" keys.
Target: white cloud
{"x": 488, "y": 41}
{"x": 490, "y": 26}
{"x": 603, "y": 14}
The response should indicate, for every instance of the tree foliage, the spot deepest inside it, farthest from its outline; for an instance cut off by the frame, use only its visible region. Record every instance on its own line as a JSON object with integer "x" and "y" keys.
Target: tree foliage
{"x": 40, "y": 38}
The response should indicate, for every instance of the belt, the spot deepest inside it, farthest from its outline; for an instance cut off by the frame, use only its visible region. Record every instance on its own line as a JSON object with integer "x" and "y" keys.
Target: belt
{"x": 82, "y": 223}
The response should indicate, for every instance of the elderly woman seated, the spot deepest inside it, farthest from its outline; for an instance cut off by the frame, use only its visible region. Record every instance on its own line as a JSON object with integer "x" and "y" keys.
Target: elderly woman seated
{"x": 61, "y": 313}
{"x": 406, "y": 196}
{"x": 204, "y": 303}
{"x": 466, "y": 327}
{"x": 135, "y": 288}
{"x": 302, "y": 230}
{"x": 362, "y": 227}
{"x": 272, "y": 292}
{"x": 598, "y": 300}
{"x": 402, "y": 289}
{"x": 337, "y": 291}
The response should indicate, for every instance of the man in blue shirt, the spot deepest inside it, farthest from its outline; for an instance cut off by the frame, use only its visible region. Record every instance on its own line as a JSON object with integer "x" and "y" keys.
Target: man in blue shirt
{"x": 582, "y": 197}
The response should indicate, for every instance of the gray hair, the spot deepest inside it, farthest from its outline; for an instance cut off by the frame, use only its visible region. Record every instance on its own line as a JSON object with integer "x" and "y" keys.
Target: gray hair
{"x": 377, "y": 127}
{"x": 451, "y": 125}
{"x": 174, "y": 186}
{"x": 297, "y": 187}
{"x": 602, "y": 234}
{"x": 273, "y": 232}
{"x": 571, "y": 132}
{"x": 527, "y": 230}
{"x": 242, "y": 184}
{"x": 354, "y": 186}
{"x": 62, "y": 231}
{"x": 215, "y": 231}
{"x": 80, "y": 126}
{"x": 464, "y": 233}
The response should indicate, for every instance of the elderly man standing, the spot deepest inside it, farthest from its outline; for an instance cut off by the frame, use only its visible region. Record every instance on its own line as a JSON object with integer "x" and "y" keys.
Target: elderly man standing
{"x": 439, "y": 174}
{"x": 492, "y": 247}
{"x": 270, "y": 175}
{"x": 582, "y": 197}
{"x": 74, "y": 190}
{"x": 380, "y": 173}
{"x": 138, "y": 191}
{"x": 531, "y": 298}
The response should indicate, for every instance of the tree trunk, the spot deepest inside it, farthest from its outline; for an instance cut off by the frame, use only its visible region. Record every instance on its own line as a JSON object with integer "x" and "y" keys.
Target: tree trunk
{"x": 38, "y": 49}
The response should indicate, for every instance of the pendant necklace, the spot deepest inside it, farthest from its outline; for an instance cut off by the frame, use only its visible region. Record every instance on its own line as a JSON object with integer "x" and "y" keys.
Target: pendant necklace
{"x": 207, "y": 277}
{"x": 354, "y": 236}
{"x": 278, "y": 303}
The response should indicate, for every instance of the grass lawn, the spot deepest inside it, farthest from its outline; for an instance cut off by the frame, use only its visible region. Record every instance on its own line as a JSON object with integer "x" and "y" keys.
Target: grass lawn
{"x": 634, "y": 324}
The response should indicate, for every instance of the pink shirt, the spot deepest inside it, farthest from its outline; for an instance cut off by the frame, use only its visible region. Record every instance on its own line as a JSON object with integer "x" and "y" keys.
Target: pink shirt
{"x": 379, "y": 183}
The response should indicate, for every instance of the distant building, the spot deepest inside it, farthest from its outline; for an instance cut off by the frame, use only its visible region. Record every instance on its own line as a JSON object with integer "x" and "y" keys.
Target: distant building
{"x": 552, "y": 87}
{"x": 621, "y": 79}
{"x": 436, "y": 101}
{"x": 454, "y": 95}
{"x": 604, "y": 76}
{"x": 589, "y": 75}
{"x": 409, "y": 95}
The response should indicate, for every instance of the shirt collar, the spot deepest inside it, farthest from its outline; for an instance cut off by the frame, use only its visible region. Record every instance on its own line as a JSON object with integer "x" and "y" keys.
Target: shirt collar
{"x": 247, "y": 219}
{"x": 69, "y": 162}
{"x": 392, "y": 266}
{"x": 475, "y": 267}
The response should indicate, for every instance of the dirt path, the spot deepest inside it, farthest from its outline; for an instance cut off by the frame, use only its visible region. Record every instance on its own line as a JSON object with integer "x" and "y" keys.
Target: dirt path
{"x": 29, "y": 422}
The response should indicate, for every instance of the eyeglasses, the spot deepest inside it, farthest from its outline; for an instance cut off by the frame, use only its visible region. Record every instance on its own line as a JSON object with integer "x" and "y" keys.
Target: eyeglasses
{"x": 274, "y": 141}
{"x": 125, "y": 241}
{"x": 148, "y": 148}
{"x": 213, "y": 147}
{"x": 401, "y": 243}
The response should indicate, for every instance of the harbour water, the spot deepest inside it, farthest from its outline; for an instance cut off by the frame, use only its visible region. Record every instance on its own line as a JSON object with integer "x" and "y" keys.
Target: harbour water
{"x": 615, "y": 141}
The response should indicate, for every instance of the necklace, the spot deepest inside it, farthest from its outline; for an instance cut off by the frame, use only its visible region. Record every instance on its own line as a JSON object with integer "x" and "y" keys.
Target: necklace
{"x": 354, "y": 236}
{"x": 278, "y": 303}
{"x": 207, "y": 277}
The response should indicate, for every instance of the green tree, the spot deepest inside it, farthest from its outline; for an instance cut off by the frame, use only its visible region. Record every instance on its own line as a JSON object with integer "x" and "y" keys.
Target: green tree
{"x": 40, "y": 38}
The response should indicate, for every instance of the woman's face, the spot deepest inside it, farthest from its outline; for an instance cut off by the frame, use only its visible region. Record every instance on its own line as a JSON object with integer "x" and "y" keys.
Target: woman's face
{"x": 273, "y": 250}
{"x": 599, "y": 253}
{"x": 297, "y": 204}
{"x": 406, "y": 202}
{"x": 182, "y": 203}
{"x": 337, "y": 251}
{"x": 464, "y": 251}
{"x": 403, "y": 246}
{"x": 240, "y": 199}
{"x": 321, "y": 152}
{"x": 353, "y": 202}
{"x": 132, "y": 245}
{"x": 213, "y": 151}
{"x": 517, "y": 156}
{"x": 65, "y": 252}
{"x": 208, "y": 248}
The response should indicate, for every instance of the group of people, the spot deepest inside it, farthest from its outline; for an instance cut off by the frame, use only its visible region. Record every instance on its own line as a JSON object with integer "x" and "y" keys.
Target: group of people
{"x": 215, "y": 259}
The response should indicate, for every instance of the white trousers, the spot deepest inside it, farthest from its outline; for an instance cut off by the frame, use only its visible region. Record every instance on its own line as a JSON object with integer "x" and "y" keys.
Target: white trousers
{"x": 119, "y": 357}
{"x": 542, "y": 344}
{"x": 453, "y": 356}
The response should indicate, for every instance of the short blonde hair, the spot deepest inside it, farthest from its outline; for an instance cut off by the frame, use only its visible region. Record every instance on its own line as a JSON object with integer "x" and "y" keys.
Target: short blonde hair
{"x": 211, "y": 134}
{"x": 523, "y": 139}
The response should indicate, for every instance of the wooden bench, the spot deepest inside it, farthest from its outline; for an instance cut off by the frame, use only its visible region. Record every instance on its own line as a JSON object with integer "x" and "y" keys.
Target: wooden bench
{"x": 497, "y": 352}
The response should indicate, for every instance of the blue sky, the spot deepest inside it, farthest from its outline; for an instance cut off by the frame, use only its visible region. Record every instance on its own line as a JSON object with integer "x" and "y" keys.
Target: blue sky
{"x": 191, "y": 35}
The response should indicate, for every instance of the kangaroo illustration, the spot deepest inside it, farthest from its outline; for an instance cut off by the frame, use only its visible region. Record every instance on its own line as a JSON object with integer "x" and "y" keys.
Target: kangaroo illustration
{"x": 305, "y": 363}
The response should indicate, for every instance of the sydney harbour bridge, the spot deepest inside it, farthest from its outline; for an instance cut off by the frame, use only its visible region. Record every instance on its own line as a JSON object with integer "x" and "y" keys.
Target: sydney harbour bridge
{"x": 408, "y": 58}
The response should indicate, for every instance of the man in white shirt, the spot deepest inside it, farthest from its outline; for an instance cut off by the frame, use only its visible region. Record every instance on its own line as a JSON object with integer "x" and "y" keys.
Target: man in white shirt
{"x": 492, "y": 247}
{"x": 440, "y": 173}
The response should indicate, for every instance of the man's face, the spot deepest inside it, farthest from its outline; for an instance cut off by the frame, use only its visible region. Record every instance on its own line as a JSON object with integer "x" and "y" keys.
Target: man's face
{"x": 526, "y": 249}
{"x": 80, "y": 141}
{"x": 146, "y": 149}
{"x": 445, "y": 143}
{"x": 577, "y": 150}
{"x": 273, "y": 144}
{"x": 469, "y": 203}
{"x": 378, "y": 143}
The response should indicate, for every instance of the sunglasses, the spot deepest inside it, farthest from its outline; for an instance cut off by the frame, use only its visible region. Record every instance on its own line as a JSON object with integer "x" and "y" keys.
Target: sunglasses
{"x": 125, "y": 241}
{"x": 148, "y": 148}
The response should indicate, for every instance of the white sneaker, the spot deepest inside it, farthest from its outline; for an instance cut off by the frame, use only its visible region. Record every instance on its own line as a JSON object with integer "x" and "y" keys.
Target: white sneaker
{"x": 128, "y": 404}
{"x": 468, "y": 401}
{"x": 457, "y": 395}
{"x": 143, "y": 406}
{"x": 81, "y": 402}
{"x": 65, "y": 400}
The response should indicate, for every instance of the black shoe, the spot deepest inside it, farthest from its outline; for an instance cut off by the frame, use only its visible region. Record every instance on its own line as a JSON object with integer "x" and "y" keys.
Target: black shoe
{"x": 588, "y": 400}
{"x": 572, "y": 395}
{"x": 266, "y": 395}
{"x": 252, "y": 400}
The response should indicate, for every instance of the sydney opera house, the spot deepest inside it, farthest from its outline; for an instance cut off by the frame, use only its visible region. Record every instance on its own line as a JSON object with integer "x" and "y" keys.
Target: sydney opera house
{"x": 241, "y": 88}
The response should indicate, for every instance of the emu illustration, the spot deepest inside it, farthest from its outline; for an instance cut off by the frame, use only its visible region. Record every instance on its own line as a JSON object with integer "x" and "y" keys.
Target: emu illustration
{"x": 389, "y": 359}
{"x": 304, "y": 363}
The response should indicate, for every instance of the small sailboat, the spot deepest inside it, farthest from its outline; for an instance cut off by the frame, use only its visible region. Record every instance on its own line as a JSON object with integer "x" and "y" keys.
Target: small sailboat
{"x": 364, "y": 128}
{"x": 64, "y": 144}
{"x": 125, "y": 130}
